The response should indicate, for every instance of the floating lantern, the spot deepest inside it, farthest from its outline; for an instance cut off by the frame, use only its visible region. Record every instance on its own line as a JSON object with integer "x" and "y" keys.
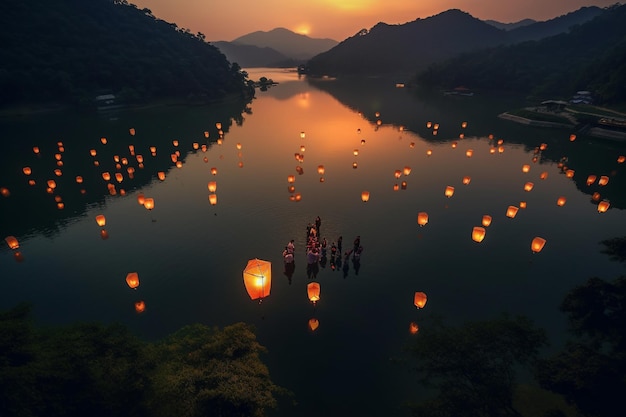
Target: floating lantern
{"x": 469, "y": 153}
{"x": 543, "y": 175}
{"x": 569, "y": 173}
{"x": 413, "y": 328}
{"x": 131, "y": 131}
{"x": 543, "y": 146}
{"x": 52, "y": 184}
{"x": 58, "y": 172}
{"x": 103, "y": 140}
{"x": 12, "y": 242}
{"x": 561, "y": 201}
{"x": 436, "y": 126}
{"x": 403, "y": 185}
{"x": 419, "y": 299}
{"x": 140, "y": 306}
{"x": 148, "y": 203}
{"x": 595, "y": 197}
{"x": 106, "y": 176}
{"x": 212, "y": 186}
{"x": 257, "y": 278}
{"x": 161, "y": 175}
{"x": 175, "y": 142}
{"x": 466, "y": 180}
{"x": 355, "y": 152}
{"x": 213, "y": 171}
{"x": 31, "y": 182}
{"x": 119, "y": 177}
{"x": 314, "y": 324}
{"x": 492, "y": 150}
{"x": 365, "y": 196}
{"x": 591, "y": 179}
{"x": 291, "y": 179}
{"x": 396, "y": 187}
{"x": 454, "y": 144}
{"x": 537, "y": 244}
{"x": 422, "y": 218}
{"x": 478, "y": 234}
{"x": 603, "y": 206}
{"x": 572, "y": 137}
{"x": 449, "y": 191}
{"x": 604, "y": 180}
{"x": 101, "y": 220}
{"x": 522, "y": 204}
{"x": 525, "y": 168}
{"x": 313, "y": 291}
{"x": 132, "y": 279}
{"x": 5, "y": 191}
{"x": 36, "y": 149}
{"x": 464, "y": 125}
{"x": 302, "y": 148}
{"x": 397, "y": 173}
{"x": 213, "y": 199}
{"x": 320, "y": 169}
{"x": 139, "y": 159}
{"x": 435, "y": 132}
{"x": 302, "y": 135}
{"x": 500, "y": 149}
{"x": 528, "y": 186}
{"x": 179, "y": 164}
{"x": 621, "y": 159}
{"x": 429, "y": 125}
{"x": 511, "y": 211}
{"x": 27, "y": 170}
{"x": 429, "y": 152}
{"x": 406, "y": 171}
{"x": 354, "y": 165}
{"x": 486, "y": 220}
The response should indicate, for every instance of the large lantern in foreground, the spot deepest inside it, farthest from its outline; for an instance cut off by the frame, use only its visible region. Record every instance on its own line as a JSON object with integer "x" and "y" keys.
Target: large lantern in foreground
{"x": 313, "y": 291}
{"x": 257, "y": 277}
{"x": 419, "y": 299}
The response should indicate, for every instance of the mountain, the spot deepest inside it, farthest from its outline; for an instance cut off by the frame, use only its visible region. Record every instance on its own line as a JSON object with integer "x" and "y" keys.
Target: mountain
{"x": 510, "y": 26}
{"x": 415, "y": 45}
{"x": 591, "y": 56}
{"x": 69, "y": 51}
{"x": 250, "y": 56}
{"x": 560, "y": 24}
{"x": 404, "y": 48}
{"x": 286, "y": 42}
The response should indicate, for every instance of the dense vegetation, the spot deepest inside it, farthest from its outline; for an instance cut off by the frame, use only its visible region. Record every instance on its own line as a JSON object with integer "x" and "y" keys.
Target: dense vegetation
{"x": 99, "y": 371}
{"x": 474, "y": 366}
{"x": 69, "y": 51}
{"x": 591, "y": 57}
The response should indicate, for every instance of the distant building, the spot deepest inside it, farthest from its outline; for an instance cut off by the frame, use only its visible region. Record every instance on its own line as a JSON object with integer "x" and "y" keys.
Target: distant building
{"x": 582, "y": 97}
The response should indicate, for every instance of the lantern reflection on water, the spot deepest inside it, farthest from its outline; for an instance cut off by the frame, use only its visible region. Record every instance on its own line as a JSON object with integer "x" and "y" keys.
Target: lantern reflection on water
{"x": 257, "y": 278}
{"x": 314, "y": 324}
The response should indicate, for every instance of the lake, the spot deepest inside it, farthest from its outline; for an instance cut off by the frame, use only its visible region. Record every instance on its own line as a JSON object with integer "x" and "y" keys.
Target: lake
{"x": 190, "y": 254}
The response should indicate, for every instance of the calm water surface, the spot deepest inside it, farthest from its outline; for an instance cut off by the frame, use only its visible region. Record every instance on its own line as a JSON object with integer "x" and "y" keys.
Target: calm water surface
{"x": 190, "y": 254}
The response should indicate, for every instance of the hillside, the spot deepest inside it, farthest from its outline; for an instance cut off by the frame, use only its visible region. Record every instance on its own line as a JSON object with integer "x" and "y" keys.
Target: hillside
{"x": 292, "y": 45}
{"x": 510, "y": 26}
{"x": 69, "y": 51}
{"x": 416, "y": 45}
{"x": 249, "y": 56}
{"x": 591, "y": 57}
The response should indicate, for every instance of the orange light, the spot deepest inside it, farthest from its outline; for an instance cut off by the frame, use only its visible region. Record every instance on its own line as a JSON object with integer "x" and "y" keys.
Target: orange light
{"x": 52, "y": 184}
{"x": 525, "y": 168}
{"x": 422, "y": 218}
{"x": 355, "y": 152}
{"x": 569, "y": 173}
{"x": 36, "y": 149}
{"x": 214, "y": 171}
{"x": 212, "y": 186}
{"x": 101, "y": 220}
{"x": 522, "y": 204}
{"x": 621, "y": 159}
{"x": 466, "y": 180}
{"x": 449, "y": 191}
{"x": 257, "y": 278}
{"x": 213, "y": 199}
{"x": 591, "y": 179}
{"x": 321, "y": 169}
{"x": 406, "y": 171}
{"x": 103, "y": 140}
{"x": 12, "y": 242}
{"x": 314, "y": 324}
{"x": 543, "y": 175}
{"x": 140, "y": 306}
{"x": 486, "y": 220}
{"x": 131, "y": 131}
{"x": 511, "y": 211}
{"x": 561, "y": 201}
{"x": 572, "y": 137}
{"x": 604, "y": 180}
{"x": 132, "y": 279}
{"x": 291, "y": 179}
{"x": 469, "y": 153}
{"x": 26, "y": 170}
{"x": 365, "y": 196}
{"x": 413, "y": 328}
{"x": 528, "y": 186}
{"x": 119, "y": 177}
{"x": 313, "y": 292}
{"x": 603, "y": 206}
{"x": 537, "y": 244}
{"x": 429, "y": 152}
{"x": 149, "y": 203}
{"x": 106, "y": 176}
{"x": 478, "y": 234}
{"x": 419, "y": 299}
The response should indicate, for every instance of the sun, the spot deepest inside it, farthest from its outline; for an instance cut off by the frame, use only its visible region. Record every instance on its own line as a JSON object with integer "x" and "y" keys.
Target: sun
{"x": 303, "y": 29}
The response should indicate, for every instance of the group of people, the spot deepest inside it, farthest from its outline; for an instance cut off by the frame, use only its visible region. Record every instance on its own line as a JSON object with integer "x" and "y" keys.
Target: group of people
{"x": 316, "y": 253}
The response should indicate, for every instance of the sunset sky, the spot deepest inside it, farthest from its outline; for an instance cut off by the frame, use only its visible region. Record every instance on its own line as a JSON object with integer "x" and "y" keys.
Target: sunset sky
{"x": 225, "y": 20}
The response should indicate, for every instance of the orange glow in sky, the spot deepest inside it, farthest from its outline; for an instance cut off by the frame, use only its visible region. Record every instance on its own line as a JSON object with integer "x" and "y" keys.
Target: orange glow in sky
{"x": 225, "y": 20}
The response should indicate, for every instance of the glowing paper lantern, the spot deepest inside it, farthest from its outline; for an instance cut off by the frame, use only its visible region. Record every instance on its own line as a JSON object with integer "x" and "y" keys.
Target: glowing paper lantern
{"x": 595, "y": 197}
{"x": 429, "y": 152}
{"x": 397, "y": 173}
{"x": 58, "y": 172}
{"x": 569, "y": 173}
{"x": 478, "y": 234}
{"x": 355, "y": 152}
{"x": 212, "y": 186}
{"x": 449, "y": 191}
{"x": 406, "y": 171}
{"x": 314, "y": 324}
{"x": 466, "y": 180}
{"x": 537, "y": 244}
{"x": 103, "y": 140}
{"x": 522, "y": 204}
{"x": 213, "y": 199}
{"x": 148, "y": 203}
{"x": 572, "y": 137}
{"x": 106, "y": 176}
{"x": 469, "y": 153}
{"x": 561, "y": 201}
{"x": 291, "y": 178}
{"x": 313, "y": 291}
{"x": 621, "y": 159}
{"x": 464, "y": 125}
{"x": 413, "y": 328}
{"x": 320, "y": 169}
{"x": 257, "y": 278}
{"x": 140, "y": 306}
{"x": 101, "y": 220}
{"x": 213, "y": 171}
{"x": 365, "y": 196}
{"x": 52, "y": 184}
{"x": 36, "y": 149}
{"x": 161, "y": 175}
{"x": 486, "y": 220}
{"x": 419, "y": 299}
{"x": 132, "y": 279}
{"x": 119, "y": 177}
{"x": 528, "y": 186}
{"x": 525, "y": 168}
{"x": 26, "y": 170}
{"x": 591, "y": 179}
{"x": 511, "y": 211}
{"x": 12, "y": 242}
{"x": 422, "y": 218}
{"x": 603, "y": 206}
{"x": 604, "y": 180}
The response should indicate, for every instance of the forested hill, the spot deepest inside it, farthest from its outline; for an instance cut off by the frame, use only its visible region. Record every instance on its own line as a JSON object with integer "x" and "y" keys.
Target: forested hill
{"x": 591, "y": 57}
{"x": 69, "y": 51}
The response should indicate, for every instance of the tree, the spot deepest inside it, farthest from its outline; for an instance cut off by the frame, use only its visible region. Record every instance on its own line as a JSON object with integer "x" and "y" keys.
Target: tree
{"x": 473, "y": 365}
